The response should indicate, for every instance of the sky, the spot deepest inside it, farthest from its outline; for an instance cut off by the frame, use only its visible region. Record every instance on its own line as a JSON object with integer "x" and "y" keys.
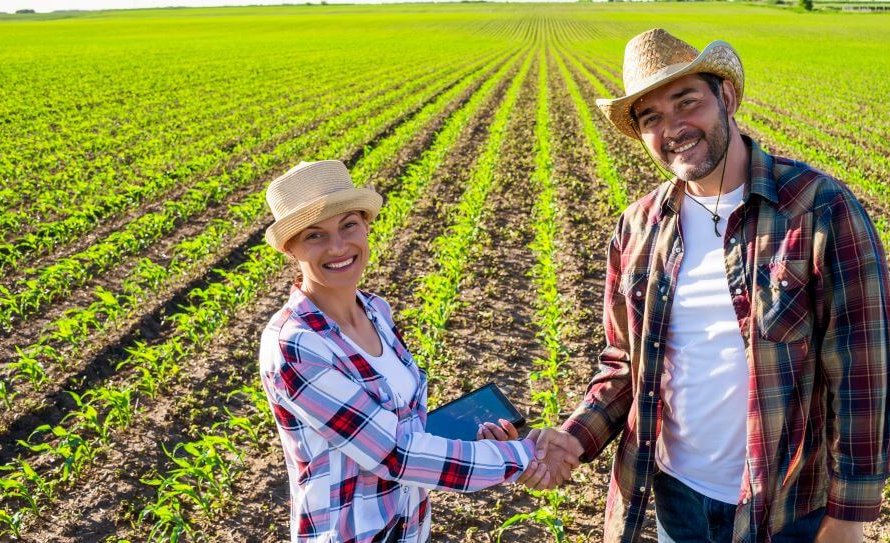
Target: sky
{"x": 42, "y": 6}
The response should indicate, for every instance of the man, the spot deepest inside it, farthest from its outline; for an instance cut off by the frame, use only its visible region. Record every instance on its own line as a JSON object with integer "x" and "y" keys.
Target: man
{"x": 746, "y": 320}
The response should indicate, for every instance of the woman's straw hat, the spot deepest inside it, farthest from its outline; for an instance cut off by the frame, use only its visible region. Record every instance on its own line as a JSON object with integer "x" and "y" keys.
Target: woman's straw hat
{"x": 311, "y": 192}
{"x": 654, "y": 58}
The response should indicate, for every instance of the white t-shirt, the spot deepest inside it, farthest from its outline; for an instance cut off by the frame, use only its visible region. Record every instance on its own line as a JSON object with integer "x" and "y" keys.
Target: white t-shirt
{"x": 400, "y": 378}
{"x": 705, "y": 382}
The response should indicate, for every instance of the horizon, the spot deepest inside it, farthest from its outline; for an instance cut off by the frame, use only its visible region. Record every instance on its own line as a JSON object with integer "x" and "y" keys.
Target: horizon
{"x": 50, "y": 6}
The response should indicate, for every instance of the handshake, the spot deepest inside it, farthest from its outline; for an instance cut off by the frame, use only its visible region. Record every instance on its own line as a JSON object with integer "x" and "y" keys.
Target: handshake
{"x": 557, "y": 453}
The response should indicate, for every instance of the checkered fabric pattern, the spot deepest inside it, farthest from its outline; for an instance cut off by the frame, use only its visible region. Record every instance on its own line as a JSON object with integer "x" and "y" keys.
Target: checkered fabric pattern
{"x": 809, "y": 283}
{"x": 359, "y": 462}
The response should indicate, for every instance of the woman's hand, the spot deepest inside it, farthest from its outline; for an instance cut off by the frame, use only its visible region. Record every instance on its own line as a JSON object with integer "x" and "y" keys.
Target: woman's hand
{"x": 505, "y": 432}
{"x": 537, "y": 475}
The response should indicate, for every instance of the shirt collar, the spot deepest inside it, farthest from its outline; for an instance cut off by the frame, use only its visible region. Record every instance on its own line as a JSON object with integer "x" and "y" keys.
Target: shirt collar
{"x": 761, "y": 180}
{"x": 763, "y": 183}
{"x": 310, "y": 314}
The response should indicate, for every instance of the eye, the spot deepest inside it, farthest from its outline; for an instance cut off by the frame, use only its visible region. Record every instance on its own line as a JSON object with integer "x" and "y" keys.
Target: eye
{"x": 687, "y": 102}
{"x": 312, "y": 236}
{"x": 648, "y": 120}
{"x": 350, "y": 225}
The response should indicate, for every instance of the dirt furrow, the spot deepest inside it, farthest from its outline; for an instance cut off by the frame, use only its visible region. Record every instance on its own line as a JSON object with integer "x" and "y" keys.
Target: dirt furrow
{"x": 408, "y": 258}
{"x": 491, "y": 338}
{"x": 586, "y": 229}
{"x": 108, "y": 499}
{"x": 260, "y": 511}
{"x": 93, "y": 360}
{"x": 114, "y": 223}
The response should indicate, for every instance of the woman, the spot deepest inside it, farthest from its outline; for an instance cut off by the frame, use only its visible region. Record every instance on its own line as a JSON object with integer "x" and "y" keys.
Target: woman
{"x": 348, "y": 399}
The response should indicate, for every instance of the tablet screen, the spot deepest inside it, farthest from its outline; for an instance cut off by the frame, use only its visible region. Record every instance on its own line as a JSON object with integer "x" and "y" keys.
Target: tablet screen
{"x": 460, "y": 419}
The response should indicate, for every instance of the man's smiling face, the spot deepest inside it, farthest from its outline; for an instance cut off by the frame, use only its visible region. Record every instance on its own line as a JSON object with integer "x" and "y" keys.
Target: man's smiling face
{"x": 685, "y": 126}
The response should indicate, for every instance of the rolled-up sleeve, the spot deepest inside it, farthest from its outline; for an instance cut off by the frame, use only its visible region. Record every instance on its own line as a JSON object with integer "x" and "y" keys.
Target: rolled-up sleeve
{"x": 855, "y": 355}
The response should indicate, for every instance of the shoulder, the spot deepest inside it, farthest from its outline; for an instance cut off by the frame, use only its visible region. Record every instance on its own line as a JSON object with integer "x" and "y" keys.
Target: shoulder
{"x": 290, "y": 339}
{"x": 801, "y": 188}
{"x": 642, "y": 214}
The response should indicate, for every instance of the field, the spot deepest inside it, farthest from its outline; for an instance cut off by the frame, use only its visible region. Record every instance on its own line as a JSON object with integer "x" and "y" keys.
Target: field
{"x": 135, "y": 282}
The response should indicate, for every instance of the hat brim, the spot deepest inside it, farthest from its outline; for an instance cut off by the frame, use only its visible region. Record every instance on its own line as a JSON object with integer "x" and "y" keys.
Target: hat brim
{"x": 718, "y": 58}
{"x": 319, "y": 209}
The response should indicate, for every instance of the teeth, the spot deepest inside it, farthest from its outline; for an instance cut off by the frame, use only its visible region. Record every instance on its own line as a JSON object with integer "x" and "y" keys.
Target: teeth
{"x": 686, "y": 147}
{"x": 338, "y": 265}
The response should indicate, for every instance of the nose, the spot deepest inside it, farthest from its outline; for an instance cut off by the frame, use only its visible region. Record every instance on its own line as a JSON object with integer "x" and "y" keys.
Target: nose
{"x": 338, "y": 243}
{"x": 674, "y": 126}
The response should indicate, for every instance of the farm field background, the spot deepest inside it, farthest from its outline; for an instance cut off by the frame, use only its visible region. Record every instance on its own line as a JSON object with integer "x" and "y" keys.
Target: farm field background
{"x": 134, "y": 148}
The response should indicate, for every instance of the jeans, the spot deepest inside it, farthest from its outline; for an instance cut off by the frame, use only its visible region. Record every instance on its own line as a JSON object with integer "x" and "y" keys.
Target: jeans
{"x": 683, "y": 515}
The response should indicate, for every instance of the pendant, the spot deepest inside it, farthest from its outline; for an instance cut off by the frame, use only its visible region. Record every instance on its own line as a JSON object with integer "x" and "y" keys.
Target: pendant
{"x": 716, "y": 219}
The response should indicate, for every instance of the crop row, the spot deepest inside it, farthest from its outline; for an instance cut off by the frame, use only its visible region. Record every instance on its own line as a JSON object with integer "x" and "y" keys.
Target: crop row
{"x": 605, "y": 168}
{"x": 82, "y": 217}
{"x": 74, "y": 444}
{"x": 66, "y": 274}
{"x": 156, "y": 364}
{"x": 437, "y": 291}
{"x": 550, "y": 306}
{"x": 147, "y": 278}
{"x": 400, "y": 204}
{"x": 118, "y": 153}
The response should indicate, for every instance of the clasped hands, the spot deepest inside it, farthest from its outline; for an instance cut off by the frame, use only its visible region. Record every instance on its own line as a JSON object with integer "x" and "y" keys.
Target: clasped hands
{"x": 557, "y": 453}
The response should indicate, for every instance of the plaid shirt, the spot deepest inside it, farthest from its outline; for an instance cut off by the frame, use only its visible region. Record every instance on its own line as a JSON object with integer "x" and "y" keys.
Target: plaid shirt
{"x": 357, "y": 457}
{"x": 808, "y": 281}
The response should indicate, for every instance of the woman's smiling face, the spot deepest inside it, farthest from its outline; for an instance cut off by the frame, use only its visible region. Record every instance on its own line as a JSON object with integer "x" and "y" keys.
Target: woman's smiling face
{"x": 332, "y": 253}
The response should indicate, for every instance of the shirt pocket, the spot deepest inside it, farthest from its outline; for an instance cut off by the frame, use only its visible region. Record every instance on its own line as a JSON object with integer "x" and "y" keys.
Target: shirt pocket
{"x": 783, "y": 310}
{"x": 633, "y": 286}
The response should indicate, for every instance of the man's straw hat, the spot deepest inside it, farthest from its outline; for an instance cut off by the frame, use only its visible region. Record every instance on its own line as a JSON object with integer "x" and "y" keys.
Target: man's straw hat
{"x": 654, "y": 58}
{"x": 311, "y": 192}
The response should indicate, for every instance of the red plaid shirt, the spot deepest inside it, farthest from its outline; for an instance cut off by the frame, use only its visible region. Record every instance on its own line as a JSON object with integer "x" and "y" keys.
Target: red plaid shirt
{"x": 809, "y": 283}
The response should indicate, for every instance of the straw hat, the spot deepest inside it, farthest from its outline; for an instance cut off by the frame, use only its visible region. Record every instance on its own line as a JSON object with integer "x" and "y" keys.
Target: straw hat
{"x": 311, "y": 192}
{"x": 654, "y": 58}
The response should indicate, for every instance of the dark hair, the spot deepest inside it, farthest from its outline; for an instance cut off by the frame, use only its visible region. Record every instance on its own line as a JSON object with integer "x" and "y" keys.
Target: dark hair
{"x": 714, "y": 82}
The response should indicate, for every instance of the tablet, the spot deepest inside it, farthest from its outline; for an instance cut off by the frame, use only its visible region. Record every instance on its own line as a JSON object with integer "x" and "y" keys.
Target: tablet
{"x": 460, "y": 418}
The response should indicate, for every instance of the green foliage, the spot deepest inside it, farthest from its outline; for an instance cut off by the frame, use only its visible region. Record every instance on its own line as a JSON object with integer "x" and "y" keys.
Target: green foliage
{"x": 437, "y": 293}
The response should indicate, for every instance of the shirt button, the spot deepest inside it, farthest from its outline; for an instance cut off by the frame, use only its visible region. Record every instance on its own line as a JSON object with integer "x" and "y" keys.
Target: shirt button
{"x": 648, "y": 443}
{"x": 651, "y": 393}
{"x": 745, "y": 501}
{"x": 784, "y": 283}
{"x": 678, "y": 250}
{"x": 656, "y": 344}
{"x": 738, "y": 291}
{"x": 664, "y": 298}
{"x": 639, "y": 293}
{"x": 732, "y": 240}
{"x": 642, "y": 489}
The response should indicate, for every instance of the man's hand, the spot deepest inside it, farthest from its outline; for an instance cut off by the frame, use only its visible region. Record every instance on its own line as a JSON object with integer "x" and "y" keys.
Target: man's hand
{"x": 559, "y": 451}
{"x": 834, "y": 530}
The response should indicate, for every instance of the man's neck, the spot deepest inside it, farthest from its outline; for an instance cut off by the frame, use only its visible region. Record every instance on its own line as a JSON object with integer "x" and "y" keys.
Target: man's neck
{"x": 738, "y": 159}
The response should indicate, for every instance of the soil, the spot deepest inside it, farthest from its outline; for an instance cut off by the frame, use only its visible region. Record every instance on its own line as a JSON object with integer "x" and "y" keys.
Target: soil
{"x": 492, "y": 337}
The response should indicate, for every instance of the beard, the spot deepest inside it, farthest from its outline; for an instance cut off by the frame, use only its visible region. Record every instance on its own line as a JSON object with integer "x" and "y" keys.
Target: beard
{"x": 715, "y": 140}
